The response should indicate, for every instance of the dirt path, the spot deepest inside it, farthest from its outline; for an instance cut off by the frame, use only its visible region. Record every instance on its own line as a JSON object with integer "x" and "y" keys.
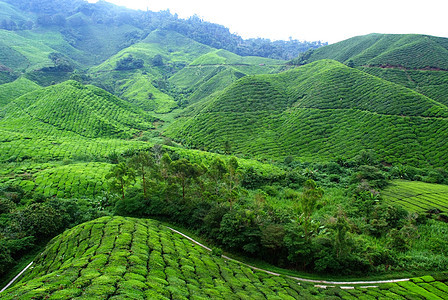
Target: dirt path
{"x": 369, "y": 282}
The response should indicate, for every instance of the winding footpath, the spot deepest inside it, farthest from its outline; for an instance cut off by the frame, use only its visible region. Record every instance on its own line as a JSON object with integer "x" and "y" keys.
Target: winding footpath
{"x": 369, "y": 282}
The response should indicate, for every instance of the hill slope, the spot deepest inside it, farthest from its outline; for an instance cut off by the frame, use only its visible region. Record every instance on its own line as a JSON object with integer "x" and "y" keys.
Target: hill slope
{"x": 10, "y": 91}
{"x": 85, "y": 110}
{"x": 389, "y": 50}
{"x": 321, "y": 110}
{"x": 127, "y": 258}
{"x": 175, "y": 70}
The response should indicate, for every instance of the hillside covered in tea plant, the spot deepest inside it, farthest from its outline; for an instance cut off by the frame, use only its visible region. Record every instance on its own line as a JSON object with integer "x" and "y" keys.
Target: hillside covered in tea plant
{"x": 124, "y": 258}
{"x": 410, "y": 51}
{"x": 322, "y": 110}
{"x": 329, "y": 164}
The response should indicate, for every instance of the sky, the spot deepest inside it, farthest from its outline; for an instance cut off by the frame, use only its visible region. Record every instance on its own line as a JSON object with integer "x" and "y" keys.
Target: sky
{"x": 311, "y": 20}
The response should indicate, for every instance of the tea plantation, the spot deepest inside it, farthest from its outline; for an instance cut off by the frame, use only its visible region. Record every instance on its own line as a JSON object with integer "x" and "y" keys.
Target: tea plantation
{"x": 332, "y": 166}
{"x": 417, "y": 196}
{"x": 323, "y": 110}
{"x": 409, "y": 51}
{"x": 125, "y": 258}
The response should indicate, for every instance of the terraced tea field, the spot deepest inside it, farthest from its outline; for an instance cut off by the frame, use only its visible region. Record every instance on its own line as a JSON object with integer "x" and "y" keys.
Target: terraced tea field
{"x": 410, "y": 51}
{"x": 417, "y": 196}
{"x": 64, "y": 181}
{"x": 126, "y": 258}
{"x": 322, "y": 110}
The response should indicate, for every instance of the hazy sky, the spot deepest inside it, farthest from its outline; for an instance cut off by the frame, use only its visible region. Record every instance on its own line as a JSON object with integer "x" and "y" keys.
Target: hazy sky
{"x": 312, "y": 20}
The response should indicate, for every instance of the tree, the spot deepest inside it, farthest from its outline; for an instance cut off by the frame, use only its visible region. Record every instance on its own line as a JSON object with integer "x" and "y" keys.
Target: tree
{"x": 308, "y": 200}
{"x": 216, "y": 172}
{"x": 141, "y": 163}
{"x": 185, "y": 172}
{"x": 39, "y": 220}
{"x": 129, "y": 63}
{"x": 122, "y": 175}
{"x": 232, "y": 180}
{"x": 157, "y": 60}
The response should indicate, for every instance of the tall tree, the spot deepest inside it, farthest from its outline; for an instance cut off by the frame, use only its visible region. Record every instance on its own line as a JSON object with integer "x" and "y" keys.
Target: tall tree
{"x": 308, "y": 200}
{"x": 185, "y": 172}
{"x": 122, "y": 175}
{"x": 143, "y": 163}
{"x": 216, "y": 172}
{"x": 232, "y": 180}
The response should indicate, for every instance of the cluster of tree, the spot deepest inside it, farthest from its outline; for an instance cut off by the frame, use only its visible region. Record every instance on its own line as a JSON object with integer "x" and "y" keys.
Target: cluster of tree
{"x": 64, "y": 13}
{"x": 129, "y": 63}
{"x": 29, "y": 221}
{"x": 8, "y": 24}
{"x": 223, "y": 202}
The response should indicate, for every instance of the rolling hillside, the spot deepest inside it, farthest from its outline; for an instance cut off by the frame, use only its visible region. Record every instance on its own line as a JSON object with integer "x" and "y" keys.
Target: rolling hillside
{"x": 321, "y": 110}
{"x": 85, "y": 110}
{"x": 125, "y": 258}
{"x": 15, "y": 89}
{"x": 69, "y": 120}
{"x": 186, "y": 71}
{"x": 141, "y": 259}
{"x": 417, "y": 62}
{"x": 409, "y": 51}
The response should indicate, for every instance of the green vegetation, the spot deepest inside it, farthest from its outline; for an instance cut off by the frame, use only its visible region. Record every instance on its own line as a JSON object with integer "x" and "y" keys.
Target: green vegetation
{"x": 91, "y": 112}
{"x": 302, "y": 168}
{"x": 417, "y": 196}
{"x": 142, "y": 259}
{"x": 409, "y": 51}
{"x": 324, "y": 110}
{"x": 15, "y": 89}
{"x": 432, "y": 84}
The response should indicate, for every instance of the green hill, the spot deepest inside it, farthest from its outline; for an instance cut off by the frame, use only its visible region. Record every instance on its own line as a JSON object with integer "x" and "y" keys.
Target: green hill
{"x": 85, "y": 110}
{"x": 172, "y": 46}
{"x": 186, "y": 71}
{"x": 432, "y": 84}
{"x": 15, "y": 89}
{"x": 415, "y": 61}
{"x": 125, "y": 258}
{"x": 10, "y": 13}
{"x": 216, "y": 70}
{"x": 388, "y": 50}
{"x": 319, "y": 111}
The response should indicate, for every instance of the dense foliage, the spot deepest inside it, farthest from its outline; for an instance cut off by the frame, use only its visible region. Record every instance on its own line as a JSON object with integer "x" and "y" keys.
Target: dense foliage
{"x": 89, "y": 92}
{"x": 285, "y": 219}
{"x": 29, "y": 220}
{"x": 71, "y": 16}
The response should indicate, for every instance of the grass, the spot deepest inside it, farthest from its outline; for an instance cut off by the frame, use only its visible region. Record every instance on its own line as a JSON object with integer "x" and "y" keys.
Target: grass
{"x": 142, "y": 259}
{"x": 417, "y": 196}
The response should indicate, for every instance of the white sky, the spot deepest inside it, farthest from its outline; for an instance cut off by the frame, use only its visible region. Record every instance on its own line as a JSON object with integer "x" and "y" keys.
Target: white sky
{"x": 311, "y": 20}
